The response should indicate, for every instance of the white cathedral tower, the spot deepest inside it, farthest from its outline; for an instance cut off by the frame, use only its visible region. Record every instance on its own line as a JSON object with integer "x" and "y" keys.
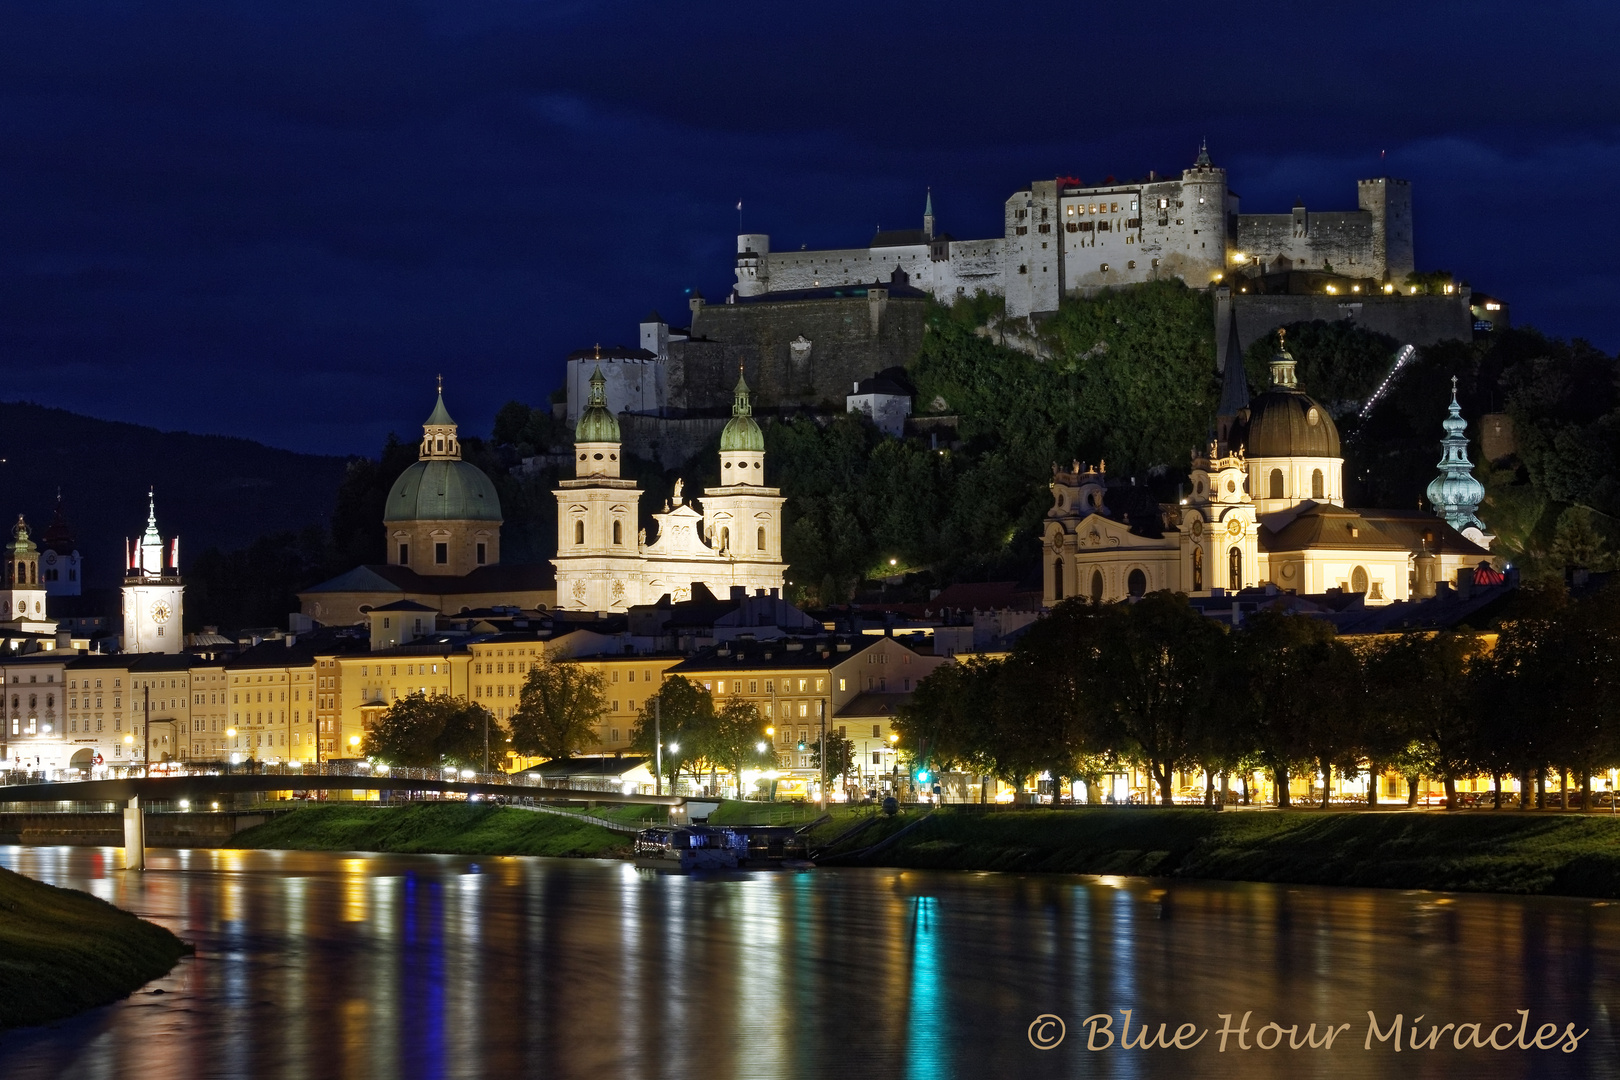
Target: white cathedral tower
{"x": 152, "y": 592}
{"x": 605, "y": 562}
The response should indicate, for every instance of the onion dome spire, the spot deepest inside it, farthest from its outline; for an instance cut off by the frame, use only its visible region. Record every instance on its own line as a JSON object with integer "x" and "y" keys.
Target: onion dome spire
{"x": 742, "y": 432}
{"x": 1455, "y": 494}
{"x": 596, "y": 423}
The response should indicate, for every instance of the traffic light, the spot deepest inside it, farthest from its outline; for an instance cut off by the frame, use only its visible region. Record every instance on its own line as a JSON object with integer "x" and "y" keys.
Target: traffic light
{"x": 801, "y": 745}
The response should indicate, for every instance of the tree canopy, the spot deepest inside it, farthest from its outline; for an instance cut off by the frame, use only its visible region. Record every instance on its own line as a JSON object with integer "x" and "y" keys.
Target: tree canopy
{"x": 427, "y": 731}
{"x": 559, "y": 707}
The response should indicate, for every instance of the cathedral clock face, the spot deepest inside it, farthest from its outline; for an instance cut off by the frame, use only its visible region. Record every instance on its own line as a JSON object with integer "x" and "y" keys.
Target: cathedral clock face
{"x": 161, "y": 611}
{"x": 1235, "y": 527}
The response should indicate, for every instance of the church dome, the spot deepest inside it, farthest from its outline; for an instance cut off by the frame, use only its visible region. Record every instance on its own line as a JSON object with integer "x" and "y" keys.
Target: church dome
{"x": 596, "y": 423}
{"x": 742, "y": 432}
{"x": 443, "y": 490}
{"x": 440, "y": 486}
{"x": 1284, "y": 421}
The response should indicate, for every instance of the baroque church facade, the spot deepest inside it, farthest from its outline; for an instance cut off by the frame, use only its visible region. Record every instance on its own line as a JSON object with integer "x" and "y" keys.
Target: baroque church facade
{"x": 1266, "y": 507}
{"x": 606, "y": 563}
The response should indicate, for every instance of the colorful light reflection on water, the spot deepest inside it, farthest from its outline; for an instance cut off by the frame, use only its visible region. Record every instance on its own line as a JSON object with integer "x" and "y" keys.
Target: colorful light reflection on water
{"x": 379, "y": 966}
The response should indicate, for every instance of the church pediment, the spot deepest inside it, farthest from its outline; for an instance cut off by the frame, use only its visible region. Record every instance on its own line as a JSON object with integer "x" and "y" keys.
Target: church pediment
{"x": 1096, "y": 531}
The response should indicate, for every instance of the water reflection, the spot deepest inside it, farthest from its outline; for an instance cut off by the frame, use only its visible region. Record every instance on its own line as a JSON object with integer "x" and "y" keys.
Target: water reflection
{"x": 314, "y": 965}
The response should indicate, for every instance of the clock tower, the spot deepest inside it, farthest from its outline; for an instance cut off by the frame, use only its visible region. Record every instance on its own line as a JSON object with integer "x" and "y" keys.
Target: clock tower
{"x": 152, "y": 592}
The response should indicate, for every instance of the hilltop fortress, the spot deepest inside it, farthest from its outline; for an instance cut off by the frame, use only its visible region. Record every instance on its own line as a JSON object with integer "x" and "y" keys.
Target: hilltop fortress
{"x": 1061, "y": 237}
{"x": 828, "y": 330}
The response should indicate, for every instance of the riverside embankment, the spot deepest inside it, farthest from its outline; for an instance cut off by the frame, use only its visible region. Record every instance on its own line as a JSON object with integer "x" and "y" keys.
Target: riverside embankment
{"x": 64, "y": 951}
{"x": 1538, "y": 852}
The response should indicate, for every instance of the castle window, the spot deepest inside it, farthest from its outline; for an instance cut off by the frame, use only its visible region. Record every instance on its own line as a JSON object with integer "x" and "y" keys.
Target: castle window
{"x": 725, "y": 538}
{"x": 618, "y": 533}
{"x": 1137, "y": 583}
{"x": 441, "y": 553}
{"x": 1316, "y": 484}
{"x": 1057, "y": 579}
{"x": 482, "y": 554}
{"x": 760, "y": 542}
{"x": 404, "y": 554}
{"x": 1358, "y": 580}
{"x": 1276, "y": 491}
{"x": 579, "y": 531}
{"x": 438, "y": 444}
{"x": 1198, "y": 569}
{"x": 1235, "y": 560}
{"x": 1096, "y": 586}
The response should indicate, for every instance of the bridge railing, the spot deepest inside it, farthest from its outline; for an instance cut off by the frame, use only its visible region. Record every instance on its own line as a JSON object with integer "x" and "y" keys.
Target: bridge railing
{"x": 295, "y": 771}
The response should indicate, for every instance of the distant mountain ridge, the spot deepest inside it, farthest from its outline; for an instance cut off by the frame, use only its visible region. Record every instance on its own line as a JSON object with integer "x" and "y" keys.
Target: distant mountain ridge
{"x": 213, "y": 490}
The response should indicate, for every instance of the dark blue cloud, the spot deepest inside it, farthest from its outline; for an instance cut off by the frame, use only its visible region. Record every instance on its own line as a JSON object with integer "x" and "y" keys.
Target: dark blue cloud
{"x": 281, "y": 220}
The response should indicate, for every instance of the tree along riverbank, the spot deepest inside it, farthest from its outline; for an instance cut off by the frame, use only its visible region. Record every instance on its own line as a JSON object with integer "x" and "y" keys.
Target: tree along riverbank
{"x": 1476, "y": 851}
{"x": 446, "y": 828}
{"x": 64, "y": 951}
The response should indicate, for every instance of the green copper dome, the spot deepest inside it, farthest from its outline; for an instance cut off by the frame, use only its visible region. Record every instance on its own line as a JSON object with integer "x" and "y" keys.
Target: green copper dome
{"x": 1455, "y": 494}
{"x": 742, "y": 433}
{"x": 442, "y": 489}
{"x": 596, "y": 423}
{"x": 440, "y": 416}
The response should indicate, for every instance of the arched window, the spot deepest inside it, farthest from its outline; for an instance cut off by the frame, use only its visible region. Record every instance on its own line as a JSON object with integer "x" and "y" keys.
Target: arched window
{"x": 1057, "y": 579}
{"x": 579, "y": 531}
{"x": 1198, "y": 570}
{"x": 1316, "y": 484}
{"x": 1276, "y": 484}
{"x": 1235, "y": 559}
{"x": 1358, "y": 580}
{"x": 1096, "y": 587}
{"x": 618, "y": 533}
{"x": 1136, "y": 583}
{"x": 761, "y": 540}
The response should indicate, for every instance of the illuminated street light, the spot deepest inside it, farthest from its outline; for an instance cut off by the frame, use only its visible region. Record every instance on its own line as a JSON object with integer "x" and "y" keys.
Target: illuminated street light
{"x": 759, "y": 746}
{"x": 674, "y": 747}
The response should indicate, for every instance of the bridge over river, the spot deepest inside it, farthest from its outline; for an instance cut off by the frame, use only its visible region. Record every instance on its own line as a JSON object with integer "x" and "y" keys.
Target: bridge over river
{"x": 200, "y": 787}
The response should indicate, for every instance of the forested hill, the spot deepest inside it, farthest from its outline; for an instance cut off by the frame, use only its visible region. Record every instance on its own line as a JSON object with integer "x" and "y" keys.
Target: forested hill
{"x": 214, "y": 490}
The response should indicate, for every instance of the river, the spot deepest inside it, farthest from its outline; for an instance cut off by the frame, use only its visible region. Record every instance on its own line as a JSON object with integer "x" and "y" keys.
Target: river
{"x": 378, "y": 966}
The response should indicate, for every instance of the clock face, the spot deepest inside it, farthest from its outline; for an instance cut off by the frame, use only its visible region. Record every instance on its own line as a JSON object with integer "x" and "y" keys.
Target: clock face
{"x": 1235, "y": 527}
{"x": 161, "y": 611}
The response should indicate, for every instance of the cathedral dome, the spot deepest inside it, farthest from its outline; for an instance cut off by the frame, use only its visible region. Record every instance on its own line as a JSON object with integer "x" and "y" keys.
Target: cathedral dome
{"x": 443, "y": 490}
{"x": 596, "y": 423}
{"x": 1284, "y": 421}
{"x": 742, "y": 432}
{"x": 440, "y": 486}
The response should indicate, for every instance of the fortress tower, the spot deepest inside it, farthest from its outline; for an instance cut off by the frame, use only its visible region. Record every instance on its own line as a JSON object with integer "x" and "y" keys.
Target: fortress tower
{"x": 1389, "y": 201}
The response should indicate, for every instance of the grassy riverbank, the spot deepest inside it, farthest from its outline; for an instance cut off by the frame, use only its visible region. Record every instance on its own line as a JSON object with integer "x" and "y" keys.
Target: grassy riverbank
{"x": 449, "y": 828}
{"x": 63, "y": 951}
{"x": 1562, "y": 854}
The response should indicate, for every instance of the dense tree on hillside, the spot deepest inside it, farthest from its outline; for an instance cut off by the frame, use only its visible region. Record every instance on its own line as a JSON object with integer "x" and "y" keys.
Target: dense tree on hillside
{"x": 255, "y": 586}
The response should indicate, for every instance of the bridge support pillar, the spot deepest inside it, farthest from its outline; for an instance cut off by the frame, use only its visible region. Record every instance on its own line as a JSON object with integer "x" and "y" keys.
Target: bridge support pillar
{"x": 134, "y": 835}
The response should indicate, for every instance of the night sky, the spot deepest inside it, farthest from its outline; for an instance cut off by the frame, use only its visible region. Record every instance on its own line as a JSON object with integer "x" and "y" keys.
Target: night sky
{"x": 282, "y": 219}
